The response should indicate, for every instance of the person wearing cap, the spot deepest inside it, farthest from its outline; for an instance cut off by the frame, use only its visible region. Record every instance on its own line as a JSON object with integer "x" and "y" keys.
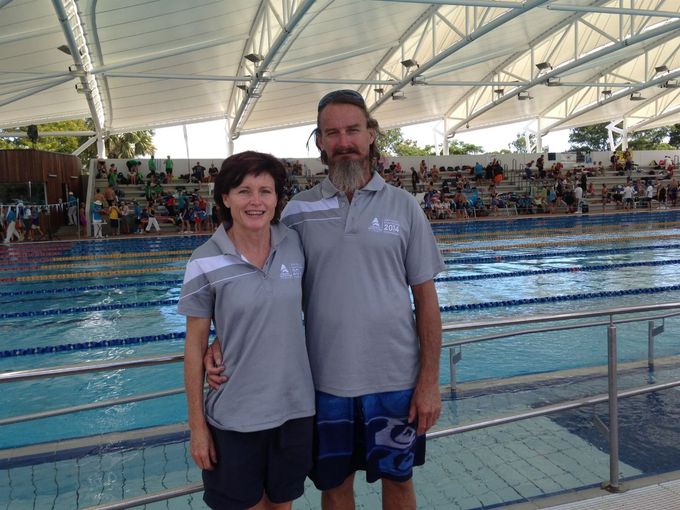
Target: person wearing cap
{"x": 375, "y": 364}
{"x": 72, "y": 209}
{"x": 97, "y": 212}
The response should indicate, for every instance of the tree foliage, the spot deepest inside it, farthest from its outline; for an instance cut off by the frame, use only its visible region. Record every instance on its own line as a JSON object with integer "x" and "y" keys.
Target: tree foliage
{"x": 595, "y": 138}
{"x": 122, "y": 146}
{"x": 410, "y": 148}
{"x": 459, "y": 147}
{"x": 520, "y": 145}
{"x": 392, "y": 143}
{"x": 589, "y": 138}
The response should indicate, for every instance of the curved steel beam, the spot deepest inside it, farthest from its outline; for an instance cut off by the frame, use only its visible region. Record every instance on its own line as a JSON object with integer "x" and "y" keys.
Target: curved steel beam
{"x": 668, "y": 27}
{"x": 469, "y": 39}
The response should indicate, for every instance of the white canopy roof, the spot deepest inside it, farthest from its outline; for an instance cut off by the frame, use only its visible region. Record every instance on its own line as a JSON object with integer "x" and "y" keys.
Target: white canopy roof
{"x": 138, "y": 64}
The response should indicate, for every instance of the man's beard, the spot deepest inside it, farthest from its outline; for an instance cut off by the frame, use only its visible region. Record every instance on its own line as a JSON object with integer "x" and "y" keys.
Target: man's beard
{"x": 348, "y": 175}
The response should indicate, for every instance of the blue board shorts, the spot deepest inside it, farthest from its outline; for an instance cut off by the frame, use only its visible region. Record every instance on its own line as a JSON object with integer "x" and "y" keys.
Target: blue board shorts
{"x": 368, "y": 432}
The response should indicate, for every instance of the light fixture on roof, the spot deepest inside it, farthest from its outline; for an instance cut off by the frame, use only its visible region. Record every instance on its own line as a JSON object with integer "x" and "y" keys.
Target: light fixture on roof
{"x": 543, "y": 66}
{"x": 553, "y": 82}
{"x": 661, "y": 69}
{"x": 523, "y": 96}
{"x": 499, "y": 92}
{"x": 606, "y": 93}
{"x": 671, "y": 84}
{"x": 398, "y": 96}
{"x": 264, "y": 76}
{"x": 409, "y": 62}
{"x": 65, "y": 49}
{"x": 255, "y": 58}
{"x": 637, "y": 96}
{"x": 242, "y": 86}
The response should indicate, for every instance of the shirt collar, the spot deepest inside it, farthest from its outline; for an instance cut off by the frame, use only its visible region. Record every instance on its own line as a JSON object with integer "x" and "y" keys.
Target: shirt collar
{"x": 226, "y": 245}
{"x": 329, "y": 190}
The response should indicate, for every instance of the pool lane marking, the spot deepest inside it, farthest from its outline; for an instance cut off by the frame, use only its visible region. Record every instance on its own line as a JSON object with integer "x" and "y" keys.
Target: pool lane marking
{"x": 42, "y": 278}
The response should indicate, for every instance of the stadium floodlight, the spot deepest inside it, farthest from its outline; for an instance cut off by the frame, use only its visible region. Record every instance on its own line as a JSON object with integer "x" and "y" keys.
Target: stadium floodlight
{"x": 637, "y": 96}
{"x": 523, "y": 96}
{"x": 543, "y": 66}
{"x": 410, "y": 62}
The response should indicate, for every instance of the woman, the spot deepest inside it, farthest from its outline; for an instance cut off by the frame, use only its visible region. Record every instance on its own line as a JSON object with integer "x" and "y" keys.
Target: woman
{"x": 253, "y": 436}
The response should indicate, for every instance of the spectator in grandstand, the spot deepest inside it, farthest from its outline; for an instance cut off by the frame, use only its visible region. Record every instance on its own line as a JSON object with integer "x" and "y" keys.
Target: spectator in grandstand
{"x": 110, "y": 195}
{"x": 169, "y": 164}
{"x": 628, "y": 191}
{"x": 198, "y": 172}
{"x": 97, "y": 219}
{"x": 540, "y": 163}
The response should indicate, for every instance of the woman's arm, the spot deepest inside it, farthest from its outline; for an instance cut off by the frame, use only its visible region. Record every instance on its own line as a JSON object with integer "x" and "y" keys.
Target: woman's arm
{"x": 202, "y": 447}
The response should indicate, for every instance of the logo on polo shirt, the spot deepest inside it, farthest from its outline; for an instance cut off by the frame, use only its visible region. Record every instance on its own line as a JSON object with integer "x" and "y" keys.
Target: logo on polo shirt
{"x": 290, "y": 271}
{"x": 384, "y": 227}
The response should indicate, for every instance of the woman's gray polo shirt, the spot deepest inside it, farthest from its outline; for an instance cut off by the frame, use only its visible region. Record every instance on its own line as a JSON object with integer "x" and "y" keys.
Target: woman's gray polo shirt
{"x": 258, "y": 319}
{"x": 361, "y": 259}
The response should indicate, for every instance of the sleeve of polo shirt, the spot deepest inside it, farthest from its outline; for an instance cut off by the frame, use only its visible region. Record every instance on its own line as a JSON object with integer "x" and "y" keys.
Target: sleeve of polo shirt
{"x": 196, "y": 298}
{"x": 423, "y": 260}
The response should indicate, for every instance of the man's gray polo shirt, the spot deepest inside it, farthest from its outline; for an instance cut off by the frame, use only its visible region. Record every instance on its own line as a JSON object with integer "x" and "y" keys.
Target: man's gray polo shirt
{"x": 257, "y": 317}
{"x": 361, "y": 258}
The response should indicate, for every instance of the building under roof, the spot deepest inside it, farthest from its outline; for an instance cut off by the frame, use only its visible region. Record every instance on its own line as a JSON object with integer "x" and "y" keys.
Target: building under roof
{"x": 263, "y": 64}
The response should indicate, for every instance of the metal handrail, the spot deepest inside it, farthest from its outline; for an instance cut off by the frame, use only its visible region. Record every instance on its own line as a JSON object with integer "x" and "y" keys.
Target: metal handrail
{"x": 83, "y": 368}
{"x": 502, "y": 420}
{"x": 519, "y": 332}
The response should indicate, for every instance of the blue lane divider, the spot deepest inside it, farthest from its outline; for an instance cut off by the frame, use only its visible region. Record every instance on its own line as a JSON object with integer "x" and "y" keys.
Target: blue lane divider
{"x": 572, "y": 269}
{"x": 79, "y": 346}
{"x": 97, "y": 308}
{"x": 63, "y": 290}
{"x": 547, "y": 254}
{"x": 553, "y": 299}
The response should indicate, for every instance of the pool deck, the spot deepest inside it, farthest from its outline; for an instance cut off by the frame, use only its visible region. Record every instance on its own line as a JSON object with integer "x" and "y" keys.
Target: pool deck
{"x": 655, "y": 493}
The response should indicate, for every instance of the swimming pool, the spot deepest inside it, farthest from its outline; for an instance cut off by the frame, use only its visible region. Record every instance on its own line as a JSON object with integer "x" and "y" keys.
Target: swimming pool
{"x": 100, "y": 311}
{"x": 115, "y": 315}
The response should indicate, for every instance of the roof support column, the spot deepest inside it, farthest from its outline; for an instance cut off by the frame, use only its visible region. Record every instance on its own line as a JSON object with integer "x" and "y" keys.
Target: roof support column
{"x": 445, "y": 143}
{"x": 101, "y": 145}
{"x": 539, "y": 137}
{"x": 611, "y": 129}
{"x": 227, "y": 134}
{"x": 186, "y": 145}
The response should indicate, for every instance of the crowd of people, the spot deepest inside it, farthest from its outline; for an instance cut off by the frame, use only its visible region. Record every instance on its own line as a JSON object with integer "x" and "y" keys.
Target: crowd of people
{"x": 473, "y": 191}
{"x": 21, "y": 222}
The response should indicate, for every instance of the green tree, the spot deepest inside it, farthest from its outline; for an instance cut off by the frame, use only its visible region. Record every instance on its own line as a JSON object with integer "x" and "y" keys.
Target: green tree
{"x": 520, "y": 144}
{"x": 410, "y": 148}
{"x": 674, "y": 136}
{"x": 589, "y": 138}
{"x": 651, "y": 139}
{"x": 458, "y": 147}
{"x": 124, "y": 146}
{"x": 388, "y": 141}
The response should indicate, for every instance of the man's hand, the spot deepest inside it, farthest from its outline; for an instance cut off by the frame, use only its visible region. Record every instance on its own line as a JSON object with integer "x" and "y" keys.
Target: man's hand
{"x": 426, "y": 406}
{"x": 212, "y": 361}
{"x": 203, "y": 448}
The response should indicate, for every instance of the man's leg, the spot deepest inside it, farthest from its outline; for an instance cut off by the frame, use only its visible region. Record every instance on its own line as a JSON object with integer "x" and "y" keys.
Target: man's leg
{"x": 398, "y": 495}
{"x": 340, "y": 497}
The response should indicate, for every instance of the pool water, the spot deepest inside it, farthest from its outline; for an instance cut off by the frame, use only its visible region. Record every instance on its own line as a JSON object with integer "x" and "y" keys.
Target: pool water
{"x": 80, "y": 313}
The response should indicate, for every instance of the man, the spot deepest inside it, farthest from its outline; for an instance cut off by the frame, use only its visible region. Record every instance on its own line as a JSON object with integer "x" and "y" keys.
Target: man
{"x": 169, "y": 164}
{"x": 365, "y": 243}
{"x": 72, "y": 209}
{"x": 198, "y": 171}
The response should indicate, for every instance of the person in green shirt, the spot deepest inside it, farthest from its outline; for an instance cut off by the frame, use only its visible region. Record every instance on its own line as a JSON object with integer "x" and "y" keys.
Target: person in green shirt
{"x": 168, "y": 168}
{"x": 152, "y": 164}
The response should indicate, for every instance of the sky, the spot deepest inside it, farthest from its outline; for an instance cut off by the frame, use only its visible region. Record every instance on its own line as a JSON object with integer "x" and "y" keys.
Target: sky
{"x": 207, "y": 140}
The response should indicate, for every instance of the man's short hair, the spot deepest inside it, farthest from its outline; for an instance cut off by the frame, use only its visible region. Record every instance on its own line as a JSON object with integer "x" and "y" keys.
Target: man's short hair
{"x": 347, "y": 96}
{"x": 235, "y": 168}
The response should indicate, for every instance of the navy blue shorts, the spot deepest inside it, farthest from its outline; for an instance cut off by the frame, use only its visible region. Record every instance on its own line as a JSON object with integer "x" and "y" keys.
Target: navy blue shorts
{"x": 249, "y": 464}
{"x": 370, "y": 433}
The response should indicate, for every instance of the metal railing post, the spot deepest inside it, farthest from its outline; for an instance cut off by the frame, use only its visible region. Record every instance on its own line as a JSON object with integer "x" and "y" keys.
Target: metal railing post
{"x": 454, "y": 357}
{"x": 613, "y": 485}
{"x": 650, "y": 345}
